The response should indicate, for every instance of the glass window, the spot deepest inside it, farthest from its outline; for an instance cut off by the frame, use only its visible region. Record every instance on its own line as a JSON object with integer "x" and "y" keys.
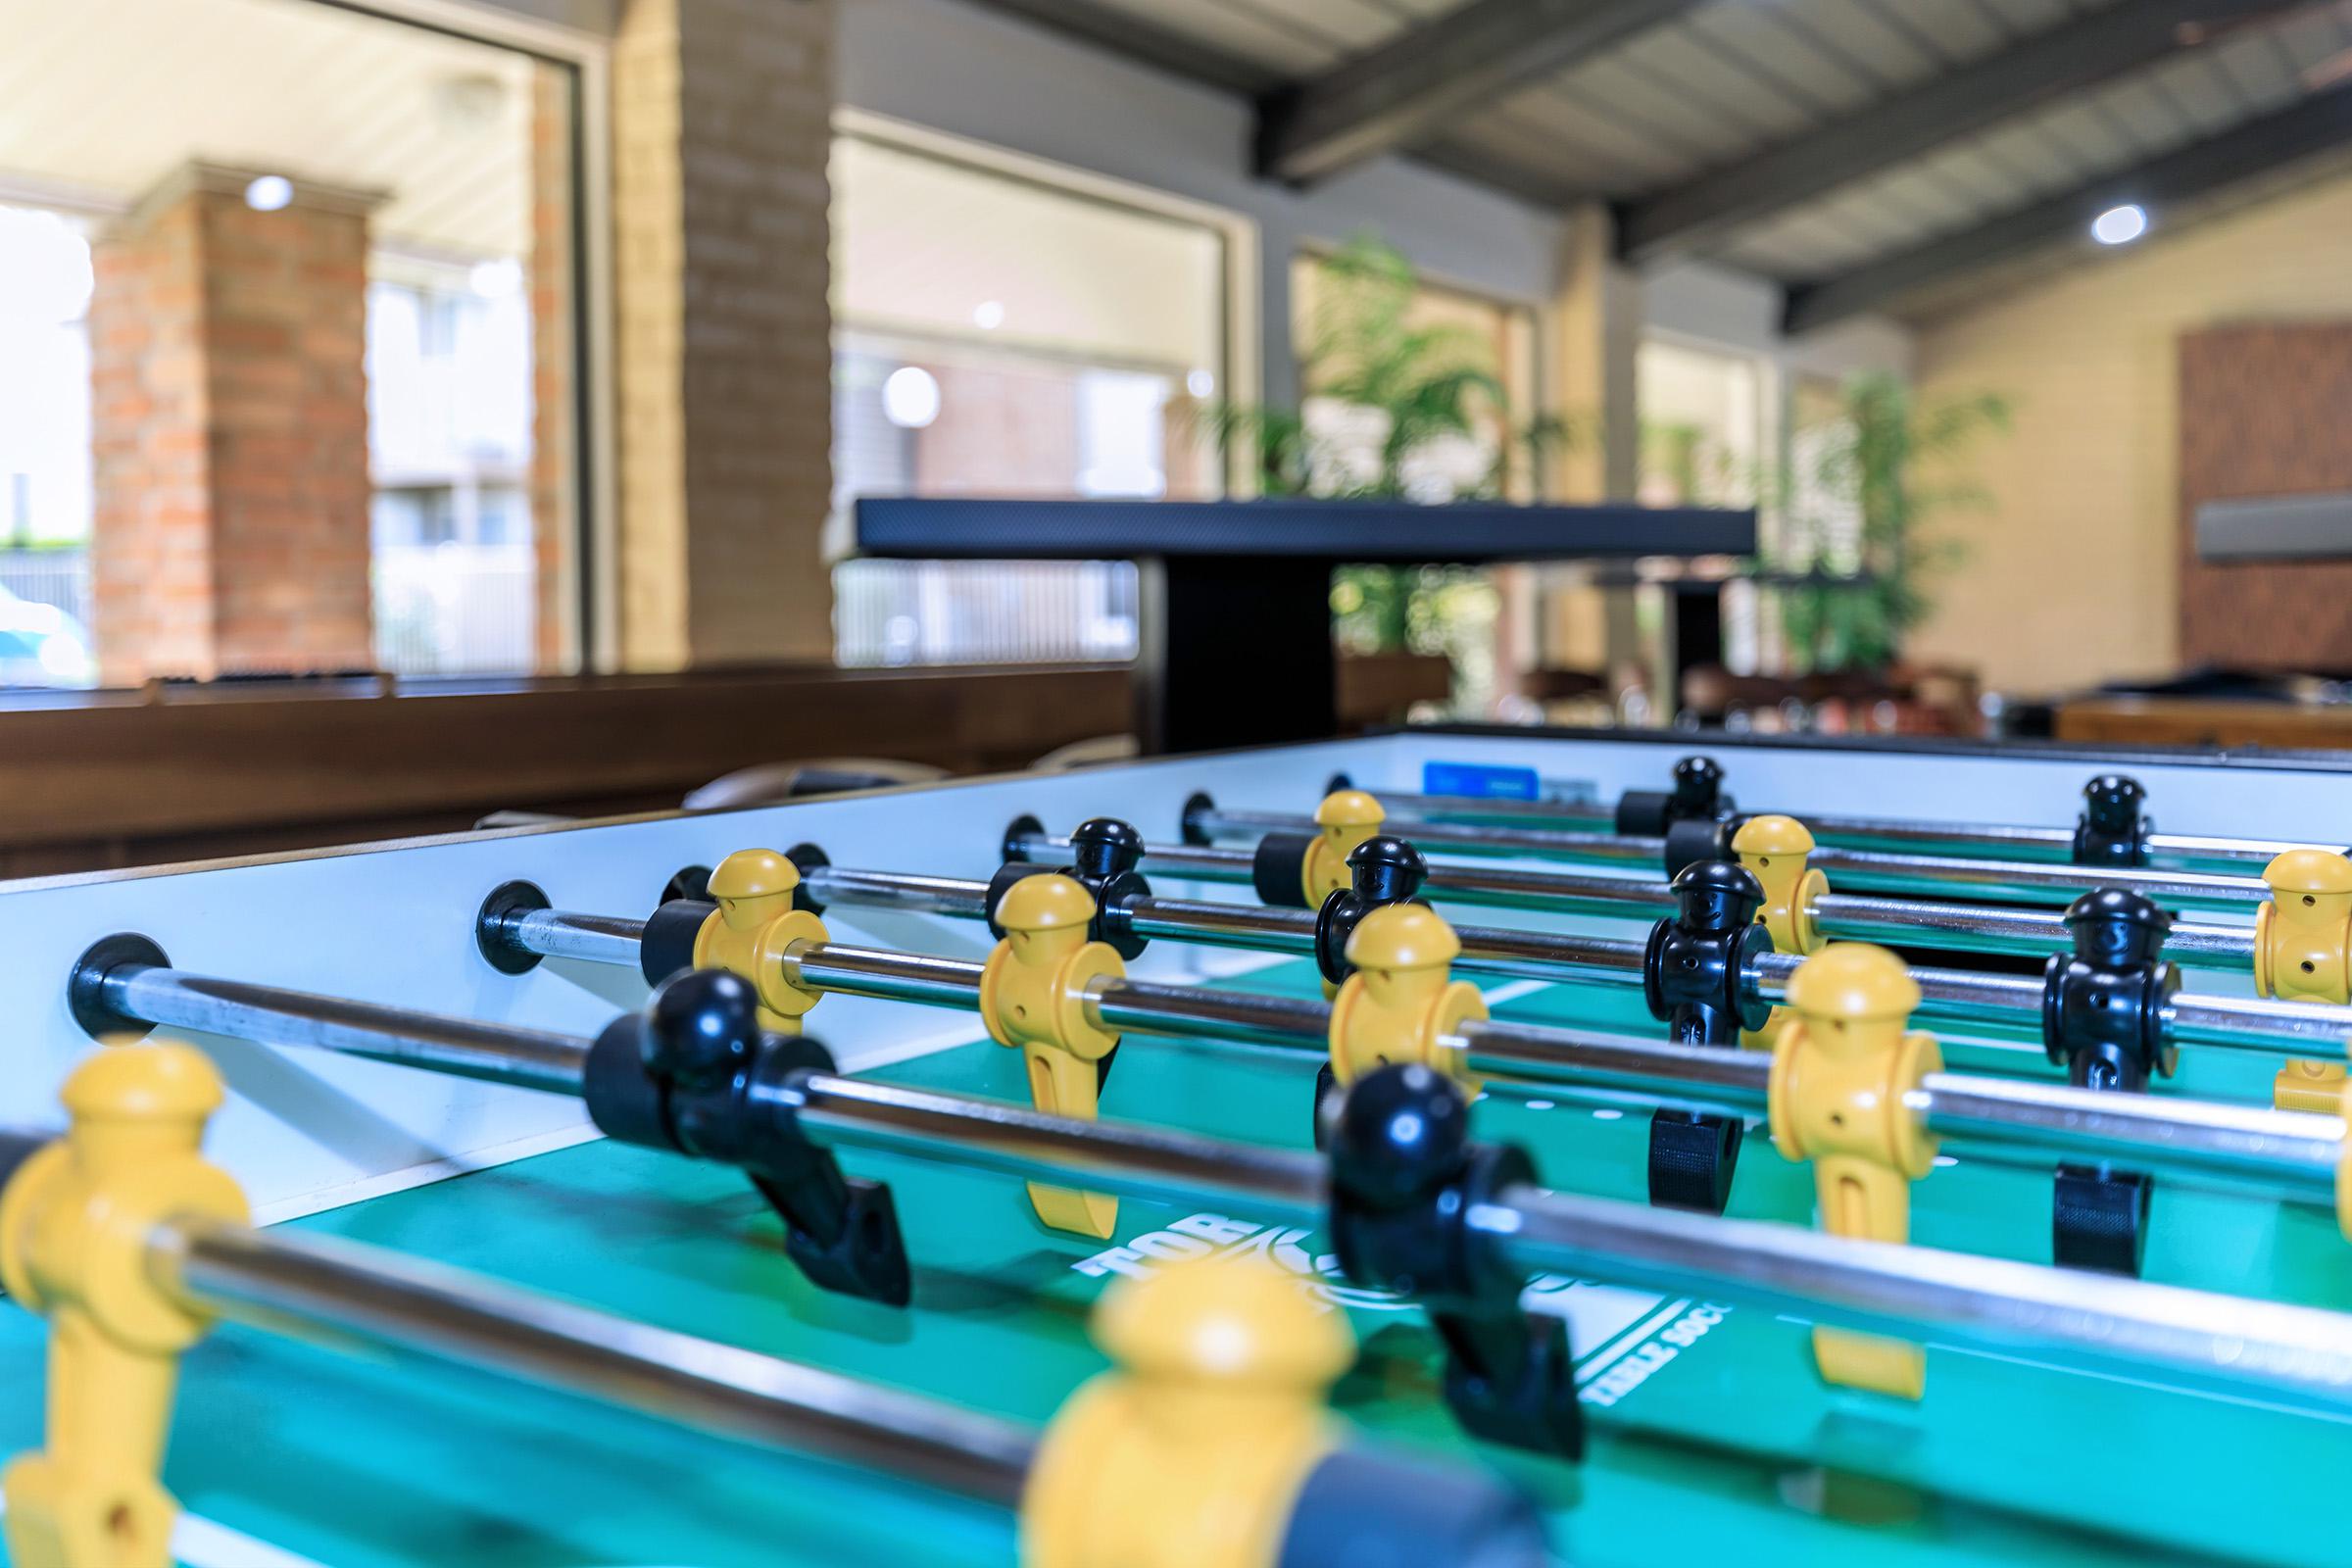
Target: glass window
{"x": 1705, "y": 424}
{"x": 1491, "y": 336}
{"x": 1821, "y": 432}
{"x": 374, "y": 341}
{"x": 1363, "y": 303}
{"x": 999, "y": 336}
{"x": 1709, "y": 422}
{"x": 46, "y": 280}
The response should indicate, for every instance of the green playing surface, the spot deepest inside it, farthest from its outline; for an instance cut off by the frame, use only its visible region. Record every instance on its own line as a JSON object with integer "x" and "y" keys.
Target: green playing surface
{"x": 1712, "y": 1436}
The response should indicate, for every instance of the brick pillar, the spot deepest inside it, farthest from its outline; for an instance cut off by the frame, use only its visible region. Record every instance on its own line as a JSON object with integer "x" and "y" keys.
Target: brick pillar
{"x": 721, "y": 128}
{"x": 230, "y": 432}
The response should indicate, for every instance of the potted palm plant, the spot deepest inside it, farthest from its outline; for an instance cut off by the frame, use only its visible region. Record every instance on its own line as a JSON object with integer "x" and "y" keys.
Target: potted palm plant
{"x": 1867, "y": 480}
{"x": 1395, "y": 407}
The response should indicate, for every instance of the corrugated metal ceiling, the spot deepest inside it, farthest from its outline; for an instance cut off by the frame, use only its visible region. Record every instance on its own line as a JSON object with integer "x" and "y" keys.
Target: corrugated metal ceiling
{"x": 106, "y": 97}
{"x": 1732, "y": 78}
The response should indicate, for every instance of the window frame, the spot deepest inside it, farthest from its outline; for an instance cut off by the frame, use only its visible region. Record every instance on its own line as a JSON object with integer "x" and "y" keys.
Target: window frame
{"x": 1240, "y": 373}
{"x": 590, "y": 637}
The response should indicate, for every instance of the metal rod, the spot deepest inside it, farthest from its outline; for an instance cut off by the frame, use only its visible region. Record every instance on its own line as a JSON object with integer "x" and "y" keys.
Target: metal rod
{"x": 2286, "y": 1152}
{"x": 348, "y": 1293}
{"x": 880, "y": 973}
{"x": 1202, "y": 1012}
{"x": 2212, "y": 847}
{"x": 1975, "y": 1302}
{"x": 898, "y": 890}
{"x": 1551, "y": 889}
{"x": 2253, "y": 1024}
{"x": 354, "y": 1294}
{"x": 2296, "y": 1155}
{"x": 1473, "y": 809}
{"x": 1149, "y": 1162}
{"x": 568, "y": 934}
{"x": 528, "y": 1059}
{"x": 1242, "y": 925}
{"x": 1198, "y": 1011}
{"x": 2025, "y": 883}
{"x": 2297, "y": 1152}
{"x": 1509, "y": 887}
{"x": 1948, "y": 995}
{"x": 1195, "y": 1011}
{"x": 1956, "y": 995}
{"x": 1857, "y": 917}
{"x": 1976, "y": 928}
{"x": 224, "y": 1270}
{"x": 1463, "y": 837}
{"x": 2013, "y": 881}
{"x": 1486, "y": 950}
{"x": 1197, "y": 861}
{"x": 1960, "y": 996}
{"x": 1708, "y": 1077}
{"x": 2043, "y": 842}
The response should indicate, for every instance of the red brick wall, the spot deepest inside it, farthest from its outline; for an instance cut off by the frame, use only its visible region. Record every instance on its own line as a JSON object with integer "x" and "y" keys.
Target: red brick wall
{"x": 229, "y": 427}
{"x": 2262, "y": 414}
{"x": 151, "y": 564}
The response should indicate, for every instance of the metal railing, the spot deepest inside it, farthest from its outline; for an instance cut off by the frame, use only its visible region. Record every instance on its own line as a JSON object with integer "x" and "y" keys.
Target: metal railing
{"x": 57, "y": 577}
{"x": 440, "y": 609}
{"x": 456, "y": 610}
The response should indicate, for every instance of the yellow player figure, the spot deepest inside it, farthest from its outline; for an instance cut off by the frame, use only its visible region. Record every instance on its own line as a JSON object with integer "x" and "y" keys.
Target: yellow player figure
{"x": 1839, "y": 1071}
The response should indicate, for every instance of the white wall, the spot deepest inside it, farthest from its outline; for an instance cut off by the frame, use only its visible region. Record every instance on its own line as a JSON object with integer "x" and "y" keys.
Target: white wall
{"x": 955, "y": 68}
{"x": 1737, "y": 310}
{"x": 966, "y": 71}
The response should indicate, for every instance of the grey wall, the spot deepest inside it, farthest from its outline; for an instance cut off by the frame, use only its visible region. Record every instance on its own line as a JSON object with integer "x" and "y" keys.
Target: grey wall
{"x": 955, "y": 68}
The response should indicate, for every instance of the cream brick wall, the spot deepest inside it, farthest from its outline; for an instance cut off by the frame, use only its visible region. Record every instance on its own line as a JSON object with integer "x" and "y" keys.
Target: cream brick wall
{"x": 2072, "y": 579}
{"x": 722, "y": 127}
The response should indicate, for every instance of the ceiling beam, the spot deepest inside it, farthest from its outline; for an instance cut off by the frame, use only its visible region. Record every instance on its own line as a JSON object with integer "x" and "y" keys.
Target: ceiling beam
{"x": 1144, "y": 43}
{"x": 2258, "y": 147}
{"x": 2069, "y": 58}
{"x": 1532, "y": 186}
{"x": 1405, "y": 92}
{"x": 1120, "y": 33}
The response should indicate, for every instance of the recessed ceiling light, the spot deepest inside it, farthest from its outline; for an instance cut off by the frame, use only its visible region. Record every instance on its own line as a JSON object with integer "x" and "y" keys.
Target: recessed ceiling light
{"x": 989, "y": 314}
{"x": 1199, "y": 383}
{"x": 2120, "y": 226}
{"x": 267, "y": 193}
{"x": 911, "y": 397}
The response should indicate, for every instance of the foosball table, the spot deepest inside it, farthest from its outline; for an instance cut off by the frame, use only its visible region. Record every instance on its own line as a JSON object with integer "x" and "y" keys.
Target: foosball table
{"x": 1449, "y": 1147}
